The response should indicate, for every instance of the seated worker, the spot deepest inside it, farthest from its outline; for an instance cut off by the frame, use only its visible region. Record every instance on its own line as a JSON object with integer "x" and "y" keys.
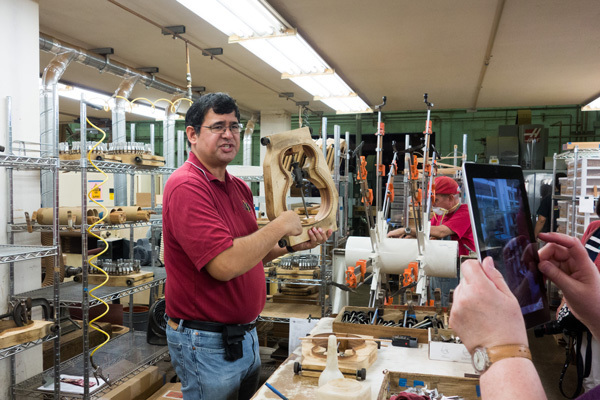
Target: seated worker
{"x": 451, "y": 221}
{"x": 486, "y": 315}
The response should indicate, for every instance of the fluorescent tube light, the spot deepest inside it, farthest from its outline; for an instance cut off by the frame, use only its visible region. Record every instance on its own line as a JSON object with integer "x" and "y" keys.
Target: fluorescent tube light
{"x": 594, "y": 105}
{"x": 254, "y": 25}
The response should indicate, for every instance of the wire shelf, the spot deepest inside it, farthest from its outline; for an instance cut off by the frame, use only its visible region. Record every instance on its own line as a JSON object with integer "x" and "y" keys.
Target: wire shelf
{"x": 120, "y": 359}
{"x": 14, "y": 253}
{"x": 71, "y": 293}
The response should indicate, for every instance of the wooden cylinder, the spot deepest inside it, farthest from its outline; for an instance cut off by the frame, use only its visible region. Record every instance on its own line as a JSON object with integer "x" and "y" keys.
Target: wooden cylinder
{"x": 117, "y": 217}
{"x": 43, "y": 216}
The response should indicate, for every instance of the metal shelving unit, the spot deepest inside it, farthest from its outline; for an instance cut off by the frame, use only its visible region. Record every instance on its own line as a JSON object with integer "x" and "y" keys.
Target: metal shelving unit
{"x": 580, "y": 172}
{"x": 12, "y": 252}
{"x": 127, "y": 356}
{"x": 131, "y": 346}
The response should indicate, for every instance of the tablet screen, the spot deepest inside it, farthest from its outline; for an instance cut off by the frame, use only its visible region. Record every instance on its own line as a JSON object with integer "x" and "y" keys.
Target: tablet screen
{"x": 501, "y": 219}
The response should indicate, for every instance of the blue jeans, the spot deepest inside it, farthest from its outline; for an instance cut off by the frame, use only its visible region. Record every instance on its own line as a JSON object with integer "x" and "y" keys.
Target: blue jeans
{"x": 199, "y": 361}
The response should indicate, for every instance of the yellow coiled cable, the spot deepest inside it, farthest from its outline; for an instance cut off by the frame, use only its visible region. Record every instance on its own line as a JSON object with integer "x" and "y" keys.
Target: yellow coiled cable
{"x": 89, "y": 230}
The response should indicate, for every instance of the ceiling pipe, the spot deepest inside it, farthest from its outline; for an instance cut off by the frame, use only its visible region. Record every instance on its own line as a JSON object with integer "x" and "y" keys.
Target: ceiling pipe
{"x": 488, "y": 51}
{"x": 102, "y": 64}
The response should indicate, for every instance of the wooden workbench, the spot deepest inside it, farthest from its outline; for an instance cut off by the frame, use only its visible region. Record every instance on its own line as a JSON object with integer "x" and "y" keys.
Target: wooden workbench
{"x": 390, "y": 358}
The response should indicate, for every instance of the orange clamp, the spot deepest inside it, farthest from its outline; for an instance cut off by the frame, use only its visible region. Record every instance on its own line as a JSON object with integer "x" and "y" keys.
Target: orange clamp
{"x": 388, "y": 301}
{"x": 428, "y": 129}
{"x": 390, "y": 191}
{"x": 428, "y": 169}
{"x": 381, "y": 130}
{"x": 368, "y": 198}
{"x": 362, "y": 172}
{"x": 414, "y": 171}
{"x": 381, "y": 169}
{"x": 350, "y": 278}
{"x": 419, "y": 196}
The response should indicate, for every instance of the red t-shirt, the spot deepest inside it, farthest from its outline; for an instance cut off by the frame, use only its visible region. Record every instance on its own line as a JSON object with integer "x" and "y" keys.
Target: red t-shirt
{"x": 201, "y": 217}
{"x": 459, "y": 223}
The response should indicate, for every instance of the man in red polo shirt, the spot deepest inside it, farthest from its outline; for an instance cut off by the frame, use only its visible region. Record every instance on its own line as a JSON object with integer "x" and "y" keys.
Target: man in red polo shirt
{"x": 214, "y": 254}
{"x": 451, "y": 221}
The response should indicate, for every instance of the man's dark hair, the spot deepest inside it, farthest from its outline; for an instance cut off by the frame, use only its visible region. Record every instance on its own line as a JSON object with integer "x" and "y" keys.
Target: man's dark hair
{"x": 220, "y": 103}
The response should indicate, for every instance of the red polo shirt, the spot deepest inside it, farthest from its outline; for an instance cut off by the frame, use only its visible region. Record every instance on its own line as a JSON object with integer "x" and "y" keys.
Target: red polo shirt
{"x": 201, "y": 217}
{"x": 459, "y": 223}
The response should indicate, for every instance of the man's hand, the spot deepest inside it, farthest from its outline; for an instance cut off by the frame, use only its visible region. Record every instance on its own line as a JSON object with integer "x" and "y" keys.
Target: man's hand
{"x": 565, "y": 261}
{"x": 317, "y": 236}
{"x": 291, "y": 221}
{"x": 398, "y": 233}
{"x": 485, "y": 312}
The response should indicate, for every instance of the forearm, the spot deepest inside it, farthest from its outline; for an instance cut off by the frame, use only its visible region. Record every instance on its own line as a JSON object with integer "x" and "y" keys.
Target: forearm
{"x": 511, "y": 378}
{"x": 440, "y": 231}
{"x": 246, "y": 252}
{"x": 275, "y": 252}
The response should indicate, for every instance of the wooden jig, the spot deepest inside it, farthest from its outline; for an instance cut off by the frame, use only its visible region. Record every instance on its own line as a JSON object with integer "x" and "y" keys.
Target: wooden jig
{"x": 278, "y": 179}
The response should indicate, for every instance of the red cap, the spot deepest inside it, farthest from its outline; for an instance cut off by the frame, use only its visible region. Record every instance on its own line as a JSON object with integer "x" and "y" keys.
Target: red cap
{"x": 446, "y": 185}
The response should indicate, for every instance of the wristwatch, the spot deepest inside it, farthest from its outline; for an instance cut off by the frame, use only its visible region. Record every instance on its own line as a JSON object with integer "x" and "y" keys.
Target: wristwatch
{"x": 483, "y": 358}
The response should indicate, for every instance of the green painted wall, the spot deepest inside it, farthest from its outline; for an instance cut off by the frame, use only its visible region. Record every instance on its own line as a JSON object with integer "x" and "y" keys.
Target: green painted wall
{"x": 564, "y": 123}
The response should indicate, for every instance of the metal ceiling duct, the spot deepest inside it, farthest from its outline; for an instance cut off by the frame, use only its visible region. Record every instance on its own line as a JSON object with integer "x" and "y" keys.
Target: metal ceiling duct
{"x": 52, "y": 45}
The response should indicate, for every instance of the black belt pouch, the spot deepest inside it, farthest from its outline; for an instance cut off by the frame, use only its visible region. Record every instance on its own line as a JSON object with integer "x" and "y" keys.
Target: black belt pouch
{"x": 233, "y": 336}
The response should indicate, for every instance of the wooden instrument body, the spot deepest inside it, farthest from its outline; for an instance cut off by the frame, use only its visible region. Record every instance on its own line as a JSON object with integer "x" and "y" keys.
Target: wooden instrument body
{"x": 278, "y": 179}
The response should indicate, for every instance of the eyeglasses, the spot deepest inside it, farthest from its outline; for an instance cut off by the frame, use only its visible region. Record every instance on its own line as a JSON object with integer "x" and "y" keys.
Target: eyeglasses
{"x": 219, "y": 129}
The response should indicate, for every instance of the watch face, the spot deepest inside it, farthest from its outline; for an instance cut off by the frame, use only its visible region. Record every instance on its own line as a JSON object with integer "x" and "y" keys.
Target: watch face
{"x": 480, "y": 359}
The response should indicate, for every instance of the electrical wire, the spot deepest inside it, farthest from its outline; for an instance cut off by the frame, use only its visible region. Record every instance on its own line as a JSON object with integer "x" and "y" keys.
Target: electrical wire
{"x": 95, "y": 256}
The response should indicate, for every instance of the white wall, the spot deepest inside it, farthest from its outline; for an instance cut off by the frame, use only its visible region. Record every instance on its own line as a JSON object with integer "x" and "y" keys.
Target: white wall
{"x": 19, "y": 70}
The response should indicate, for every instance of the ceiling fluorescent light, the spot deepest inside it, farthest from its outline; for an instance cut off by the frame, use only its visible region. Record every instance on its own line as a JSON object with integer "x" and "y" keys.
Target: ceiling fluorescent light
{"x": 257, "y": 27}
{"x": 592, "y": 106}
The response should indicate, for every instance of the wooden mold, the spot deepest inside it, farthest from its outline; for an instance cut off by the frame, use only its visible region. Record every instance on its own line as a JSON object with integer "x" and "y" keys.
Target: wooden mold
{"x": 278, "y": 179}
{"x": 12, "y": 335}
{"x": 119, "y": 280}
{"x": 355, "y": 355}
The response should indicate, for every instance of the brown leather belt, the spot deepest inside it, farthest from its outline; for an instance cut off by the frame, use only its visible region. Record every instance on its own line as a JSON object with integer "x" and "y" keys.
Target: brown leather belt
{"x": 206, "y": 326}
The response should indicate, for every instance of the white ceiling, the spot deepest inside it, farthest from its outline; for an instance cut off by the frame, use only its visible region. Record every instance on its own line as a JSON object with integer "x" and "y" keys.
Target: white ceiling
{"x": 544, "y": 52}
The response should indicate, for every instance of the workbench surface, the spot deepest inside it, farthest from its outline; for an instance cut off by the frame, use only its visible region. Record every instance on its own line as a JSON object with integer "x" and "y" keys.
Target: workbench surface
{"x": 389, "y": 358}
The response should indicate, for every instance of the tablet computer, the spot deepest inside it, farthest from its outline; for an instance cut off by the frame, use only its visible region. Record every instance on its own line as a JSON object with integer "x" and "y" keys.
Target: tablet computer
{"x": 502, "y": 229}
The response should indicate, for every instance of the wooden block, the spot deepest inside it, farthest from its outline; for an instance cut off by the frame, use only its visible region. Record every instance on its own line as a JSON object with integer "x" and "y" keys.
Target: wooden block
{"x": 71, "y": 343}
{"x": 307, "y": 299}
{"x": 141, "y": 160}
{"x": 299, "y": 290}
{"x": 358, "y": 354}
{"x": 581, "y": 145}
{"x": 140, "y": 387}
{"x": 297, "y": 273}
{"x": 12, "y": 334}
{"x": 169, "y": 391}
{"x": 119, "y": 280}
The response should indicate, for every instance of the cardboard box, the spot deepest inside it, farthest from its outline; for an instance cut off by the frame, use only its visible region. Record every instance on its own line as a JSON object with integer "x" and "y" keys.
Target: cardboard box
{"x": 396, "y": 382}
{"x": 393, "y": 313}
{"x": 169, "y": 391}
{"x": 140, "y": 387}
{"x": 446, "y": 351}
